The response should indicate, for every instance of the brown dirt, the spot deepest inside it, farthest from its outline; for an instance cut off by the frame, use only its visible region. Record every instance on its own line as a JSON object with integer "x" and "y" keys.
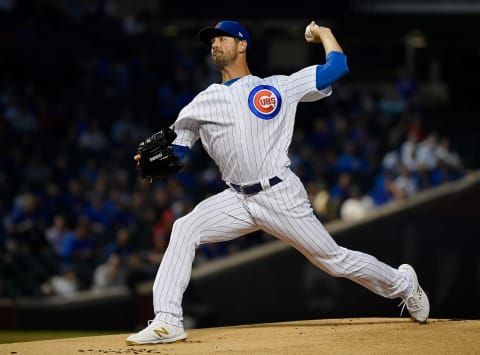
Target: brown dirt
{"x": 327, "y": 336}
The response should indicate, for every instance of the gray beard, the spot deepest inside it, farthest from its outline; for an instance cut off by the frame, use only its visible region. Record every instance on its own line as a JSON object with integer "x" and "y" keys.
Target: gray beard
{"x": 219, "y": 62}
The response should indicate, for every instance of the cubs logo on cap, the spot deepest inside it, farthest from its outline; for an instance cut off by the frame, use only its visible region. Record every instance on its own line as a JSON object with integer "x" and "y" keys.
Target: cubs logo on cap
{"x": 264, "y": 101}
{"x": 224, "y": 28}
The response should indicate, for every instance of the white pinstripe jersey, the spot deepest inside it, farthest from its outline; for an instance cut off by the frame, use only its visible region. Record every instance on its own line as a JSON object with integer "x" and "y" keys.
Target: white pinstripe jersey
{"x": 246, "y": 127}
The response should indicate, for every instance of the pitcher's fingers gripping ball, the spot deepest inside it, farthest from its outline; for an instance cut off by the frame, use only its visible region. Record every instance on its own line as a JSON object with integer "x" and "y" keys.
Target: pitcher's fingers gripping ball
{"x": 317, "y": 34}
{"x": 308, "y": 30}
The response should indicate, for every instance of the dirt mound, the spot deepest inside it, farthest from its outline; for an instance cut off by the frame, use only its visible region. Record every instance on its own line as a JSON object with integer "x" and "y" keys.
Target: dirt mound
{"x": 326, "y": 336}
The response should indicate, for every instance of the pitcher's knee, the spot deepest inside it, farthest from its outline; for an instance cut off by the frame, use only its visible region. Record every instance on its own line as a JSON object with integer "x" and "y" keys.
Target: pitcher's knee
{"x": 186, "y": 229}
{"x": 334, "y": 263}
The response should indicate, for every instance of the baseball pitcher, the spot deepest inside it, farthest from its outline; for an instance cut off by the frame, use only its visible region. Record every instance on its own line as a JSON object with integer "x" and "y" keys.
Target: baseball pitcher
{"x": 246, "y": 123}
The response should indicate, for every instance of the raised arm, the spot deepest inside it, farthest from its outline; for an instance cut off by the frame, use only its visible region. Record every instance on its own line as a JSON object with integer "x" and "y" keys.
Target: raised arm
{"x": 336, "y": 61}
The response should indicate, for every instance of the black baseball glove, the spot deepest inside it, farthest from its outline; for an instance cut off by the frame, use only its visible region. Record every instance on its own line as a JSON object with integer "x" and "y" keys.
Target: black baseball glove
{"x": 157, "y": 159}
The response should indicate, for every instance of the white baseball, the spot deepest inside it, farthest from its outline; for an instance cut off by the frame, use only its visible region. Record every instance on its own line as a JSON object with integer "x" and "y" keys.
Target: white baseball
{"x": 308, "y": 32}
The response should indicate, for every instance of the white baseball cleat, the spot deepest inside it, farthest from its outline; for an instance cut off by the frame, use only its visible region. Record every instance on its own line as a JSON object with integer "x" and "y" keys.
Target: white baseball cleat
{"x": 417, "y": 302}
{"x": 157, "y": 332}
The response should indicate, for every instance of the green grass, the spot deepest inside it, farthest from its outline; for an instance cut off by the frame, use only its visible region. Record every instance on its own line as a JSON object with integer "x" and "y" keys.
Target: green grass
{"x": 17, "y": 336}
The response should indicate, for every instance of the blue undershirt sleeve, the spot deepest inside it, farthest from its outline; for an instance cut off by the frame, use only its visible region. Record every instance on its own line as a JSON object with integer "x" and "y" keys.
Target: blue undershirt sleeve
{"x": 334, "y": 68}
{"x": 180, "y": 151}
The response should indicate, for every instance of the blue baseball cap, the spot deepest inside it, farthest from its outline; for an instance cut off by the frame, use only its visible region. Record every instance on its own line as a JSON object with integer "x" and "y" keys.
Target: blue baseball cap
{"x": 224, "y": 28}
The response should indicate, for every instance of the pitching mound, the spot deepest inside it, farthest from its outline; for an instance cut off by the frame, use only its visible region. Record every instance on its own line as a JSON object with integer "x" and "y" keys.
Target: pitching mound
{"x": 327, "y": 336}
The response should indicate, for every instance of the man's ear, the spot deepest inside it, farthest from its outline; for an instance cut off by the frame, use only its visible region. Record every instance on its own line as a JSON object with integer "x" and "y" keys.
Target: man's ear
{"x": 243, "y": 46}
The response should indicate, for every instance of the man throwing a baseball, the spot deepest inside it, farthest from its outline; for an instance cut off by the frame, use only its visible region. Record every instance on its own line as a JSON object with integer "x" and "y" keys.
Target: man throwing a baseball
{"x": 246, "y": 125}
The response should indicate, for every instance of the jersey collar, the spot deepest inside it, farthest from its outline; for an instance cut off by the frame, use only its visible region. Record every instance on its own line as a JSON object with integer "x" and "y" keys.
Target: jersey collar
{"x": 230, "y": 82}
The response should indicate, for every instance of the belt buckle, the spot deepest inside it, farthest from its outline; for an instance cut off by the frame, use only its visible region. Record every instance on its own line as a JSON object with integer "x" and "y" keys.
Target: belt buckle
{"x": 244, "y": 188}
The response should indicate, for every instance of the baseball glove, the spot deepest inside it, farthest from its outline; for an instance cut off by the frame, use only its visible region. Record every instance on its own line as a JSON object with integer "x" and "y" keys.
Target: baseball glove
{"x": 157, "y": 159}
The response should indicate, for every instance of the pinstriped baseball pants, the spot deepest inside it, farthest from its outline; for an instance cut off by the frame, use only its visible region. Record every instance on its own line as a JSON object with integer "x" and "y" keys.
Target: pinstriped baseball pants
{"x": 283, "y": 211}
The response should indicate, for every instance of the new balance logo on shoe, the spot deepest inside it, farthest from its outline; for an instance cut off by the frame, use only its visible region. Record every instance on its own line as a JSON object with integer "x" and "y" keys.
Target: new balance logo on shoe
{"x": 161, "y": 332}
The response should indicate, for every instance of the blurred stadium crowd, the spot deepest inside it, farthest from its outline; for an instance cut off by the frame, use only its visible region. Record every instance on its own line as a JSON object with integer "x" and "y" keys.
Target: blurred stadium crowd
{"x": 79, "y": 88}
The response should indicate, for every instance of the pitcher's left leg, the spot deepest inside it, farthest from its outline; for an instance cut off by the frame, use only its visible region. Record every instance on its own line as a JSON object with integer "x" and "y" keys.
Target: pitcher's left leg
{"x": 220, "y": 217}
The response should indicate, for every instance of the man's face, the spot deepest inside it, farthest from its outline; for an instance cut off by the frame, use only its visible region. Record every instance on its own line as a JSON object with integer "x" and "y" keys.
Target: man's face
{"x": 224, "y": 51}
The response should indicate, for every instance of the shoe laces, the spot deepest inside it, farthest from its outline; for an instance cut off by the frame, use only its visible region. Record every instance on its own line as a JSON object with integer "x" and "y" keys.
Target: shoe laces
{"x": 412, "y": 304}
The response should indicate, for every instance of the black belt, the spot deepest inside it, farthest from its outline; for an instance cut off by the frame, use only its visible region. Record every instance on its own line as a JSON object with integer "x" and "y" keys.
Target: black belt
{"x": 255, "y": 188}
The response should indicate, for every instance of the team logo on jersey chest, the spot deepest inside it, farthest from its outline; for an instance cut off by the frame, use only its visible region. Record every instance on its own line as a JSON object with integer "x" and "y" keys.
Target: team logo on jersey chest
{"x": 264, "y": 101}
